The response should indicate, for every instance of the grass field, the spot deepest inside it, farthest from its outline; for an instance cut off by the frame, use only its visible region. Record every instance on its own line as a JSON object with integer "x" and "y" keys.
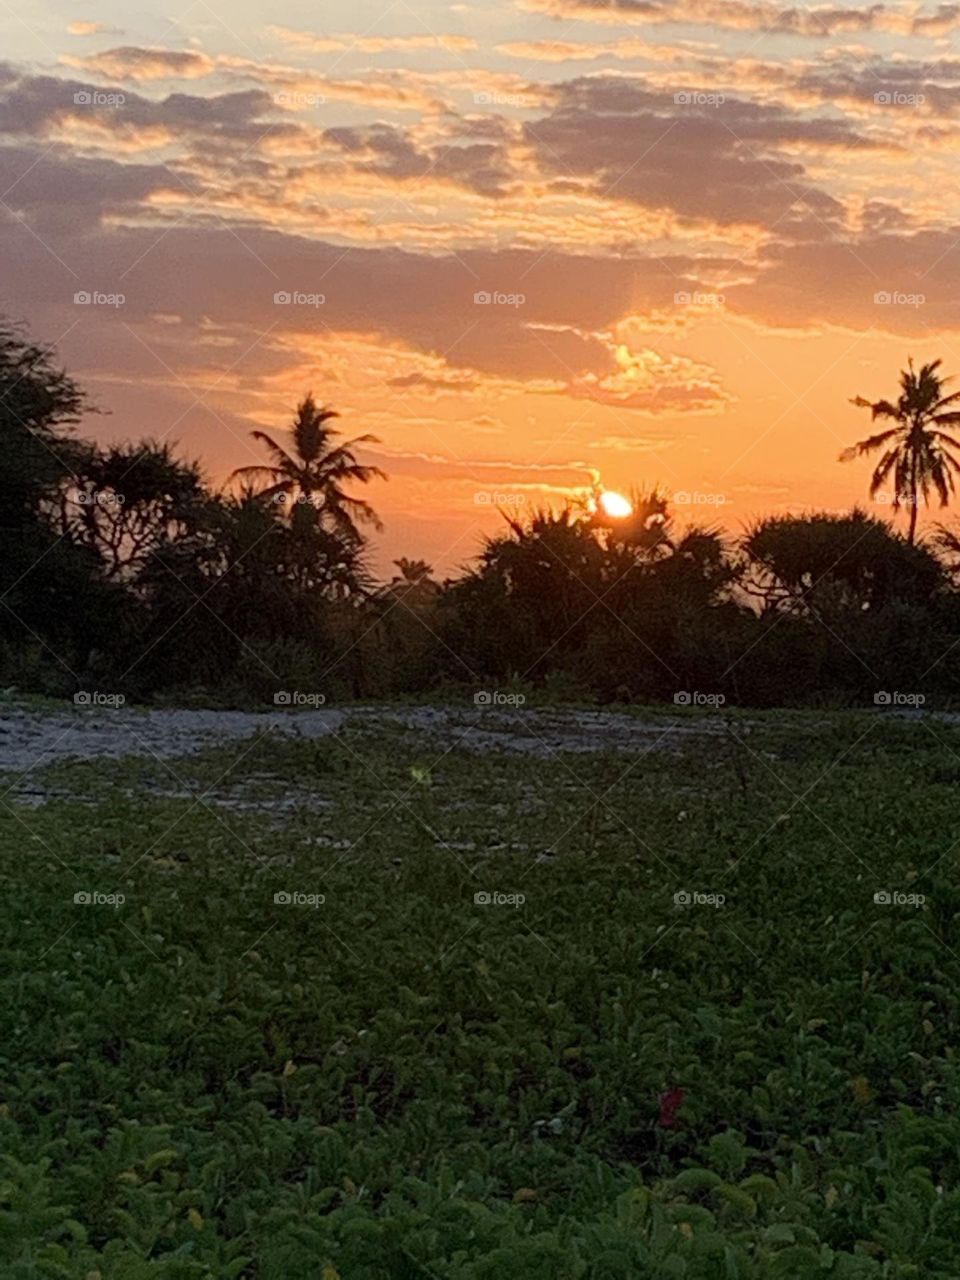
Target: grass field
{"x": 206, "y": 1080}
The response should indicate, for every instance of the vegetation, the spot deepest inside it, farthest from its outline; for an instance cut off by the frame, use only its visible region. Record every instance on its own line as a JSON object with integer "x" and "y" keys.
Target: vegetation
{"x": 916, "y": 450}
{"x": 703, "y": 1024}
{"x": 121, "y": 570}
{"x": 598, "y": 1082}
{"x": 317, "y": 470}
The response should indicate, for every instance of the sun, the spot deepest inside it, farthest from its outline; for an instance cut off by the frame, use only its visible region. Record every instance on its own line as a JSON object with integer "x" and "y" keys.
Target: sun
{"x": 615, "y": 505}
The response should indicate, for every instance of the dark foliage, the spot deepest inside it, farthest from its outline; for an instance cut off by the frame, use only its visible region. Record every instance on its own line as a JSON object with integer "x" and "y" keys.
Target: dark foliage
{"x": 120, "y": 566}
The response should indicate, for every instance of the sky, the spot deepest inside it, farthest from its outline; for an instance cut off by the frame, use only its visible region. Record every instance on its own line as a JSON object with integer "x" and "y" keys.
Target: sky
{"x": 531, "y": 245}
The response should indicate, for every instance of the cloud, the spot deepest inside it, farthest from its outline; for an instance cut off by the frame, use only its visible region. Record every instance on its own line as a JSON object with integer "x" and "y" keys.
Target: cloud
{"x": 819, "y": 22}
{"x": 395, "y": 89}
{"x": 66, "y": 198}
{"x": 654, "y": 384}
{"x": 457, "y": 383}
{"x": 903, "y": 282}
{"x": 627, "y": 49}
{"x": 389, "y": 152}
{"x": 373, "y": 44}
{"x": 550, "y": 332}
{"x": 83, "y": 27}
{"x": 719, "y": 161}
{"x": 131, "y": 62}
{"x": 37, "y": 106}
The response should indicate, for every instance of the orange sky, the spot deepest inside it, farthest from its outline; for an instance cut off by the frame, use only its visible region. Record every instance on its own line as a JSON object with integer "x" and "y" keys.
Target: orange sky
{"x": 531, "y": 245}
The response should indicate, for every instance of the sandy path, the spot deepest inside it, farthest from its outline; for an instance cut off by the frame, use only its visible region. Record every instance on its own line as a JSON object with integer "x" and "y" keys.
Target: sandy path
{"x": 31, "y": 738}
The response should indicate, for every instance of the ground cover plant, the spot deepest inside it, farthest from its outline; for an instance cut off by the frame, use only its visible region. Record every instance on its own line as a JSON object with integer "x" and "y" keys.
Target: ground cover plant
{"x": 621, "y": 1075}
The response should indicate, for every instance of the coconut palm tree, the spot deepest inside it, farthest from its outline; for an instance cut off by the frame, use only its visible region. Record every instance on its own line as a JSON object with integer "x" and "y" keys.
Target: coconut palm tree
{"x": 916, "y": 449}
{"x": 316, "y": 469}
{"x": 414, "y": 584}
{"x": 412, "y": 573}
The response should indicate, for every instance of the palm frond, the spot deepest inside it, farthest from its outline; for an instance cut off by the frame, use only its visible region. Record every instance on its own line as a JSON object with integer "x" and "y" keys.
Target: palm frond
{"x": 868, "y": 446}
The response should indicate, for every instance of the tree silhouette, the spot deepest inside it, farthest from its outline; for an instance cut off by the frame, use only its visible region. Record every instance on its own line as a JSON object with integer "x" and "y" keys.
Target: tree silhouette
{"x": 414, "y": 584}
{"x": 129, "y": 500}
{"x": 647, "y": 529}
{"x": 316, "y": 469}
{"x": 916, "y": 450}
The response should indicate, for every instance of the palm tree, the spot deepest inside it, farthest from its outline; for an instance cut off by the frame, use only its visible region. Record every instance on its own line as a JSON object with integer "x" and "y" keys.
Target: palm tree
{"x": 647, "y": 529}
{"x": 414, "y": 584}
{"x": 316, "y": 469}
{"x": 412, "y": 572}
{"x": 916, "y": 450}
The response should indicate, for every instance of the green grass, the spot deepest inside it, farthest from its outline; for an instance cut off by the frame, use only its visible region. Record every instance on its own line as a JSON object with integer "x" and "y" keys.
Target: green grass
{"x": 202, "y": 1082}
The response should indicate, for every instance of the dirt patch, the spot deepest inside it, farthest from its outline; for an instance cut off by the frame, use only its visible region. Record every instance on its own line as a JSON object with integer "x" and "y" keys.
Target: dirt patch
{"x": 32, "y": 738}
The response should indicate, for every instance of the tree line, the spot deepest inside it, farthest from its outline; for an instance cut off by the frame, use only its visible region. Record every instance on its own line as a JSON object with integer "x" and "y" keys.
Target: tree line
{"x": 122, "y": 569}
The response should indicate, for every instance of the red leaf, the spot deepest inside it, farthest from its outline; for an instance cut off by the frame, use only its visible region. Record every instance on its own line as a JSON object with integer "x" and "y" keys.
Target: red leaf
{"x": 670, "y": 1104}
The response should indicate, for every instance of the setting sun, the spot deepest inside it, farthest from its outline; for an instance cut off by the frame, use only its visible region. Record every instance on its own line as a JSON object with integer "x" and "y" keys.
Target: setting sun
{"x": 615, "y": 505}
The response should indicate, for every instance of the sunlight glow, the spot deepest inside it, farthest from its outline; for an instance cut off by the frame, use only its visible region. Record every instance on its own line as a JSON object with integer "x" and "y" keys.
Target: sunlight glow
{"x": 615, "y": 505}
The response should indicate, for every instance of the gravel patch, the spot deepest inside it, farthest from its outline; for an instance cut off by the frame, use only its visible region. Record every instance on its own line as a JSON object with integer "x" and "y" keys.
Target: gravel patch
{"x": 31, "y": 738}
